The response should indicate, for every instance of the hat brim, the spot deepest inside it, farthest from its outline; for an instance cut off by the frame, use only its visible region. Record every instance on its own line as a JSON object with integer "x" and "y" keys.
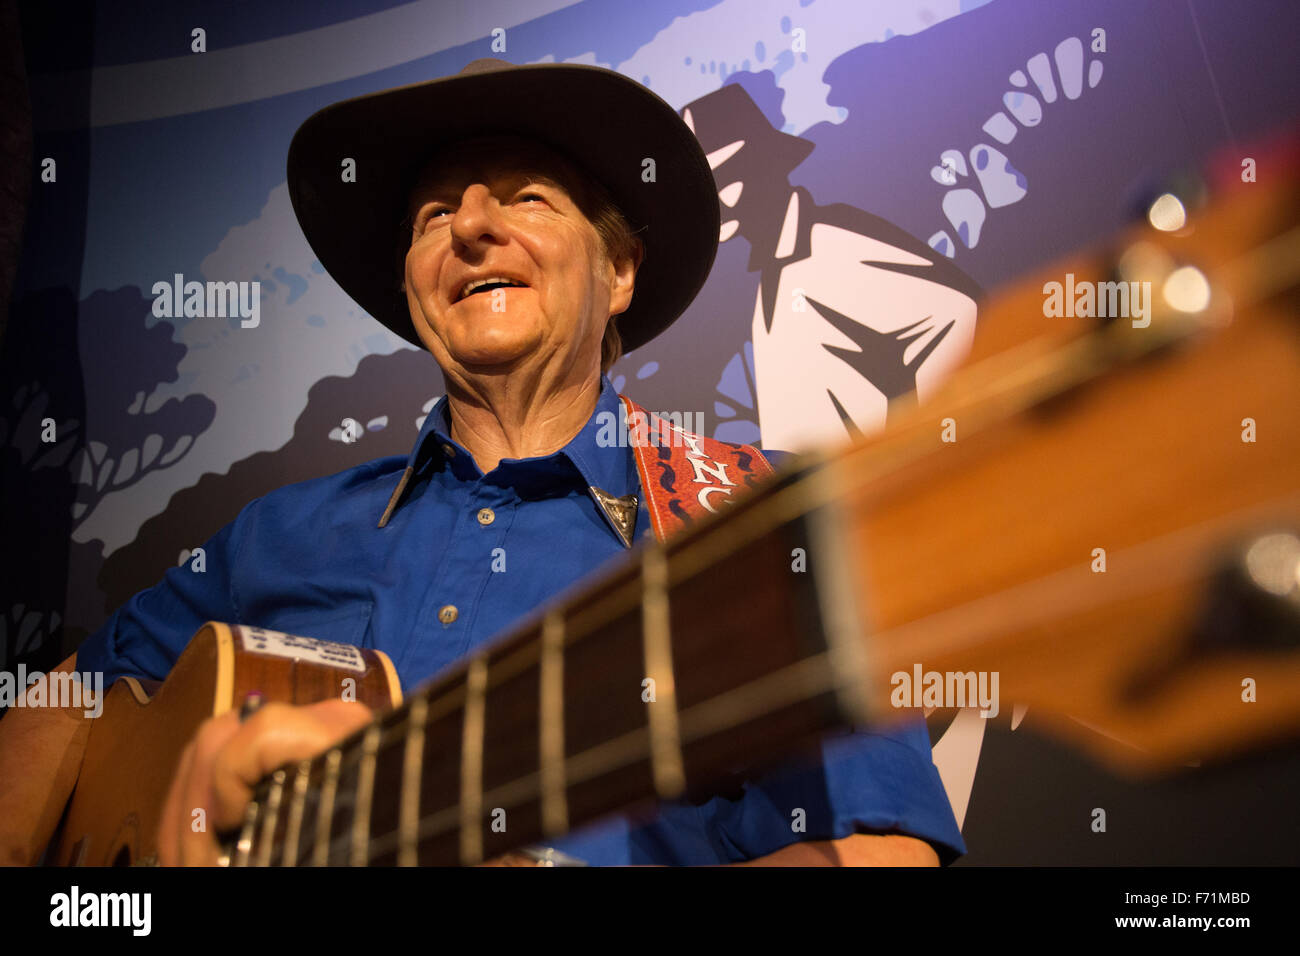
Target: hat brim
{"x": 600, "y": 120}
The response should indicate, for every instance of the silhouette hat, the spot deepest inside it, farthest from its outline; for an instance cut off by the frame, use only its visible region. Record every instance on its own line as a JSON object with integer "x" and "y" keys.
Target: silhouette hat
{"x": 604, "y": 123}
{"x": 729, "y": 114}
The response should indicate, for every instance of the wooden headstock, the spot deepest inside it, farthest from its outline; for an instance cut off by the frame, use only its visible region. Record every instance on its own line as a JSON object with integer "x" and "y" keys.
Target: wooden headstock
{"x": 1174, "y": 448}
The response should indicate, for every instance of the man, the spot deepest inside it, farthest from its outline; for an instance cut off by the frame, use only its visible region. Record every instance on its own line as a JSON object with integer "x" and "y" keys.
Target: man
{"x": 517, "y": 251}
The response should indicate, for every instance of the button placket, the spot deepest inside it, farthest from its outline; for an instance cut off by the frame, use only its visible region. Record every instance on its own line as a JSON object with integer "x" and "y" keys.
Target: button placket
{"x": 471, "y": 572}
{"x": 451, "y": 579}
{"x": 474, "y": 569}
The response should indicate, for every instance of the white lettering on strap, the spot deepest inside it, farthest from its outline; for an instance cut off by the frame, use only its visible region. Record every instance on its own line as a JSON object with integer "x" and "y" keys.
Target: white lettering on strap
{"x": 703, "y": 496}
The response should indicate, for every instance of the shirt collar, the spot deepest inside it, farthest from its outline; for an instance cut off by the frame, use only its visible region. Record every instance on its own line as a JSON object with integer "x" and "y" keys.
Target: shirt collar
{"x": 606, "y": 465}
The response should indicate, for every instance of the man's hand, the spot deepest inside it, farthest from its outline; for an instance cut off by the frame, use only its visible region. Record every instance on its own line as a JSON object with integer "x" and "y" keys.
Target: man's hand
{"x": 226, "y": 759}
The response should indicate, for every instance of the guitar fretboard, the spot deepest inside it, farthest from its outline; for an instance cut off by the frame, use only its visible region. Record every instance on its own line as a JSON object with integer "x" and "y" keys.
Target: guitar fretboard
{"x": 628, "y": 690}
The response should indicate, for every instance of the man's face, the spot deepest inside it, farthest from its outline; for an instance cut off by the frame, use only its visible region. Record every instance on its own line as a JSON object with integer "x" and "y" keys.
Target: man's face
{"x": 507, "y": 208}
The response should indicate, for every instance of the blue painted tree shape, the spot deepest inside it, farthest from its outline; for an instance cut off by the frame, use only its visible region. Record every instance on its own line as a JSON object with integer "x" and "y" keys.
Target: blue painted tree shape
{"x": 124, "y": 441}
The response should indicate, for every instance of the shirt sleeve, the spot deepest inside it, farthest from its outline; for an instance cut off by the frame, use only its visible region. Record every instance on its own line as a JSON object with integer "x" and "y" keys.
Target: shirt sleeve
{"x": 880, "y": 781}
{"x": 145, "y": 635}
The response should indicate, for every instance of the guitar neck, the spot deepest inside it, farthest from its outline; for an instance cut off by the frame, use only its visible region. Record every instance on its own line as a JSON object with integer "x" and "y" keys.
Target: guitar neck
{"x": 631, "y": 690}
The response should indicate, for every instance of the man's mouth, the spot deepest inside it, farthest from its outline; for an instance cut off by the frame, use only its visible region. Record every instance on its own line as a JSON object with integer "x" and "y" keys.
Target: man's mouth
{"x": 476, "y": 286}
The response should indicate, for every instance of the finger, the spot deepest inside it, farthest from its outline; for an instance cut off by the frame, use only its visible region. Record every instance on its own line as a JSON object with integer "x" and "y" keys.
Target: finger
{"x": 276, "y": 735}
{"x": 200, "y": 848}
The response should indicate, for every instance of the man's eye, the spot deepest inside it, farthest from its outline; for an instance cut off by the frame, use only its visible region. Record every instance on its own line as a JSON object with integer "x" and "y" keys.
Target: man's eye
{"x": 531, "y": 197}
{"x": 431, "y": 216}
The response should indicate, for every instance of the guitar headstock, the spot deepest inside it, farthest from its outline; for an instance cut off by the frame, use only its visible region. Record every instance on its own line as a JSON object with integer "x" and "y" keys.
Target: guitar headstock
{"x": 1104, "y": 511}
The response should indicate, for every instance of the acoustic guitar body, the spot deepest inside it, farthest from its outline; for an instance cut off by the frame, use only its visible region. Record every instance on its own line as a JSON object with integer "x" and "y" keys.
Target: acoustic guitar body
{"x": 136, "y": 743}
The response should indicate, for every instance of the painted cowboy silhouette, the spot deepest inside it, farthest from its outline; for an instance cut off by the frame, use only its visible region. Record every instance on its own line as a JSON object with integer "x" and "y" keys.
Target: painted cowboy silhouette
{"x": 851, "y": 311}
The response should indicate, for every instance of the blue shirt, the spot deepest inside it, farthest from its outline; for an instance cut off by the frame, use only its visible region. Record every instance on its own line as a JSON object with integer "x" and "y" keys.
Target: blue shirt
{"x": 310, "y": 558}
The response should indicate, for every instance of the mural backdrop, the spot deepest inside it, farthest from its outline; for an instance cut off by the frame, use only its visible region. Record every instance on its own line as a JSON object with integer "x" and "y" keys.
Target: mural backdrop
{"x": 881, "y": 167}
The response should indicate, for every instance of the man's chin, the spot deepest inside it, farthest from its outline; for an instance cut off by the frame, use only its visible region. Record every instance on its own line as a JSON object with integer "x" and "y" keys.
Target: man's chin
{"x": 488, "y": 343}
{"x": 493, "y": 360}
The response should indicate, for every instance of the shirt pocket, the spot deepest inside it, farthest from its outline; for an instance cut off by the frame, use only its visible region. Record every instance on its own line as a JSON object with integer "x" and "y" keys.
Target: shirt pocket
{"x": 349, "y": 625}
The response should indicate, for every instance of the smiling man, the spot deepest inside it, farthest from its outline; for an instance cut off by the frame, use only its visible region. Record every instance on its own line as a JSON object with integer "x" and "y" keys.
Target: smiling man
{"x": 531, "y": 249}
{"x": 512, "y": 288}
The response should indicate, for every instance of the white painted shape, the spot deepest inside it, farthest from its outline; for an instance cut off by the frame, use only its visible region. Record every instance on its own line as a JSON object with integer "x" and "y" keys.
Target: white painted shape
{"x": 956, "y": 756}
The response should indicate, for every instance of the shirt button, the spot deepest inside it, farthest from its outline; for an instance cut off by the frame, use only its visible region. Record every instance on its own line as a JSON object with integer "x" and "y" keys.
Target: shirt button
{"x": 448, "y": 613}
{"x": 449, "y": 451}
{"x": 486, "y": 516}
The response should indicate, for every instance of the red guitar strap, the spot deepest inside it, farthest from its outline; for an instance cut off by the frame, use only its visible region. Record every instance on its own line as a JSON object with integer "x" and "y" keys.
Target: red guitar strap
{"x": 684, "y": 476}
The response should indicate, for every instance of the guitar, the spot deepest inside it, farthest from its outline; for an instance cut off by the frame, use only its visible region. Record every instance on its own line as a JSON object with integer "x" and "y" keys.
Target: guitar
{"x": 1114, "y": 531}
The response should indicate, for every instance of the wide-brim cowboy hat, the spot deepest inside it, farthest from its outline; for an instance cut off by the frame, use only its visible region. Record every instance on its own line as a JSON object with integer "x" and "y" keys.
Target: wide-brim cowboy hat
{"x": 603, "y": 122}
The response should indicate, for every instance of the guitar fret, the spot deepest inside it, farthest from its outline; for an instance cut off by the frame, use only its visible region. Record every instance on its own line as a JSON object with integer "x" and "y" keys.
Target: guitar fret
{"x": 665, "y": 735}
{"x": 471, "y": 763}
{"x": 555, "y": 805}
{"x": 270, "y": 819}
{"x": 365, "y": 794}
{"x": 325, "y": 813}
{"x": 412, "y": 768}
{"x": 245, "y": 843}
{"x": 298, "y": 799}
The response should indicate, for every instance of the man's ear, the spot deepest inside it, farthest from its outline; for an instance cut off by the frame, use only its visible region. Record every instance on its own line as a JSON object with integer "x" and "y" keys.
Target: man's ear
{"x": 624, "y": 280}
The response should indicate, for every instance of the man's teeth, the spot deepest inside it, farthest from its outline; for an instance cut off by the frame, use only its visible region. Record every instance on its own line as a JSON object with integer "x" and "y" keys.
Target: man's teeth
{"x": 493, "y": 280}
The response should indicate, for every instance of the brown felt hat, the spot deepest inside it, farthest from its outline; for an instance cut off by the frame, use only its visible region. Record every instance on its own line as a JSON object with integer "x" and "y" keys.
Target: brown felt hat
{"x": 601, "y": 121}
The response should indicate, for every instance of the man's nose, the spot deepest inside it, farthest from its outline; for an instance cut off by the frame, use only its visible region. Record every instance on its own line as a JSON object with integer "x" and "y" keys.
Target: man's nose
{"x": 477, "y": 219}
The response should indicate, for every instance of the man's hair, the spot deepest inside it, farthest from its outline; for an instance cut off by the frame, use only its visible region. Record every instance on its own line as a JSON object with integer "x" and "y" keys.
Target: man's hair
{"x": 618, "y": 240}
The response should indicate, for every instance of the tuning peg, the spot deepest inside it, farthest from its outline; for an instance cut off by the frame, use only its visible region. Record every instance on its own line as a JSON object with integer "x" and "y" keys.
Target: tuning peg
{"x": 1254, "y": 600}
{"x": 1169, "y": 202}
{"x": 1252, "y": 603}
